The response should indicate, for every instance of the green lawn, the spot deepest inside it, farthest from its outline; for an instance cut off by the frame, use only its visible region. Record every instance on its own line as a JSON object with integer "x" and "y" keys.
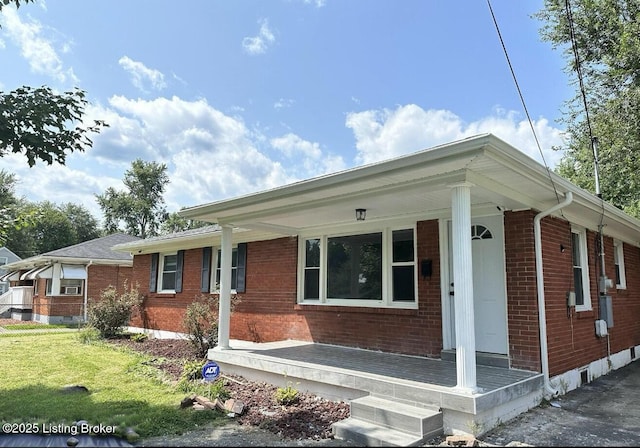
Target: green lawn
{"x": 126, "y": 390}
{"x": 37, "y": 326}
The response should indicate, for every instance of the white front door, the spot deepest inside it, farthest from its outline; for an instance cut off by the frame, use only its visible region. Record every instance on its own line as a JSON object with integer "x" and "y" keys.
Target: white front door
{"x": 489, "y": 286}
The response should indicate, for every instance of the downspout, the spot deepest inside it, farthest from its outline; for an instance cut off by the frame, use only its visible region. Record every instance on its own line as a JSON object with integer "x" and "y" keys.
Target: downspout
{"x": 542, "y": 317}
{"x": 86, "y": 287}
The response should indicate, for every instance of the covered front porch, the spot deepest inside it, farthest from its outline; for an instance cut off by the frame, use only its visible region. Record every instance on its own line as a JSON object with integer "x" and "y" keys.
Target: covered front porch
{"x": 395, "y": 399}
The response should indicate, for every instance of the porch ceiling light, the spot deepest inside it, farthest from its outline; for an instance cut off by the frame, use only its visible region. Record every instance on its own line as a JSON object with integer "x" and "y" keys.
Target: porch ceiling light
{"x": 361, "y": 213}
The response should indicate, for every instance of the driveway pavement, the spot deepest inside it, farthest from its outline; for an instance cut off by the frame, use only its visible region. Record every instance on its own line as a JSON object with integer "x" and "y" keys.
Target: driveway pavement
{"x": 605, "y": 412}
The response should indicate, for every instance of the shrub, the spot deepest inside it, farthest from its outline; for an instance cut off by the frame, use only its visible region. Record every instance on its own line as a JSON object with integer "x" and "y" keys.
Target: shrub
{"x": 89, "y": 335}
{"x": 111, "y": 313}
{"x": 287, "y": 395}
{"x": 139, "y": 337}
{"x": 201, "y": 322}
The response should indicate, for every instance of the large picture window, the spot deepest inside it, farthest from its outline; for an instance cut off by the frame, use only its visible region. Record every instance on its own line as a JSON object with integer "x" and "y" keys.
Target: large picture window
{"x": 365, "y": 269}
{"x": 354, "y": 267}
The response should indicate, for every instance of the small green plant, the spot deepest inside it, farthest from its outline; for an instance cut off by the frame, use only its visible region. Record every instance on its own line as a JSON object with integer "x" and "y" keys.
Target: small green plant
{"x": 139, "y": 337}
{"x": 111, "y": 313}
{"x": 475, "y": 427}
{"x": 288, "y": 394}
{"x": 191, "y": 372}
{"x": 89, "y": 335}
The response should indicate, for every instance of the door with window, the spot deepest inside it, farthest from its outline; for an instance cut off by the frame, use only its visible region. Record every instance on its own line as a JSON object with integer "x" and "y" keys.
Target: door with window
{"x": 489, "y": 285}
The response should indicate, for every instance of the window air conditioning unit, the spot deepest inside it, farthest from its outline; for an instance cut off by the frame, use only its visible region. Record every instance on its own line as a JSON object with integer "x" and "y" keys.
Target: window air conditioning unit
{"x": 71, "y": 290}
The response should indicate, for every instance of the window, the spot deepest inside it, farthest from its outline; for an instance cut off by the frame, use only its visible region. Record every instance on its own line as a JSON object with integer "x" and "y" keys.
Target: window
{"x": 210, "y": 277}
{"x": 403, "y": 266}
{"x": 312, "y": 269}
{"x": 72, "y": 287}
{"x": 3, "y": 261}
{"x": 47, "y": 288}
{"x": 354, "y": 267}
{"x": 618, "y": 257}
{"x": 368, "y": 269}
{"x": 234, "y": 269}
{"x": 580, "y": 269}
{"x": 166, "y": 272}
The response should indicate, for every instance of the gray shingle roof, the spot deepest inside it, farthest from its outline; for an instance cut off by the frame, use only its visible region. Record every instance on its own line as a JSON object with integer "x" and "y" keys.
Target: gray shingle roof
{"x": 99, "y": 248}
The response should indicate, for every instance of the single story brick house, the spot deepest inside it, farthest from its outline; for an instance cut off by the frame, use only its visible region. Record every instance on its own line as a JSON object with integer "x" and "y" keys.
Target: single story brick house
{"x": 54, "y": 287}
{"x": 470, "y": 252}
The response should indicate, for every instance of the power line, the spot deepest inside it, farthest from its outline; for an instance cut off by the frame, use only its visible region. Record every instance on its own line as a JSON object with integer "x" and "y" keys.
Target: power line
{"x": 524, "y": 106}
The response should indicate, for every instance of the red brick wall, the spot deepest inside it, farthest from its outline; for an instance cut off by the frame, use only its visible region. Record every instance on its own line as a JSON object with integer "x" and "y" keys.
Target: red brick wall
{"x": 522, "y": 305}
{"x": 103, "y": 276}
{"x": 268, "y": 310}
{"x": 571, "y": 338}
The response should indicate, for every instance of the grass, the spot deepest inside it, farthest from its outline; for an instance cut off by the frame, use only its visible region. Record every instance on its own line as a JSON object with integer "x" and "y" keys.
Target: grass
{"x": 126, "y": 390}
{"x": 36, "y": 326}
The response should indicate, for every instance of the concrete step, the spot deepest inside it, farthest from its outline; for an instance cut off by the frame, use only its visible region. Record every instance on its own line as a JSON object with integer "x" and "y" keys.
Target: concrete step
{"x": 392, "y": 414}
{"x": 369, "y": 434}
{"x": 377, "y": 421}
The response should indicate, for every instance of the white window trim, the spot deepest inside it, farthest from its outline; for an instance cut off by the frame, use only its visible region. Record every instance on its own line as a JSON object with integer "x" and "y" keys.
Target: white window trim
{"x": 584, "y": 264}
{"x": 618, "y": 248}
{"x": 161, "y": 273}
{"x": 387, "y": 267}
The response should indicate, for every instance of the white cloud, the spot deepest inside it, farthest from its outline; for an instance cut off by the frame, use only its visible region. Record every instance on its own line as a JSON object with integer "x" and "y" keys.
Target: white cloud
{"x": 318, "y": 3}
{"x": 141, "y": 75}
{"x": 282, "y": 103}
{"x": 37, "y": 49}
{"x": 384, "y": 134}
{"x": 306, "y": 158}
{"x": 210, "y": 155}
{"x": 259, "y": 43}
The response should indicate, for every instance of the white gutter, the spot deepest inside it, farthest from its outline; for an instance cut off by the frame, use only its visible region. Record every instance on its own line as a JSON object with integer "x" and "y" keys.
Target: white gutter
{"x": 86, "y": 287}
{"x": 542, "y": 319}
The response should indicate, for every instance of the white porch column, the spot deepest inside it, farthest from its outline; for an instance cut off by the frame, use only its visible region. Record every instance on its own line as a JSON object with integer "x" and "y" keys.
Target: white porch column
{"x": 463, "y": 287}
{"x": 224, "y": 308}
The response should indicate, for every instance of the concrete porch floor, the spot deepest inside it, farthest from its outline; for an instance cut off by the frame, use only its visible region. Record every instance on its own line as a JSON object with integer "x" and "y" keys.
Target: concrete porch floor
{"x": 344, "y": 373}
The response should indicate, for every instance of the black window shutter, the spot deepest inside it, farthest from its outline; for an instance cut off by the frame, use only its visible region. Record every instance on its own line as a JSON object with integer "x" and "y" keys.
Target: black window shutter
{"x": 205, "y": 277}
{"x": 153, "y": 277}
{"x": 179, "y": 264}
{"x": 241, "y": 268}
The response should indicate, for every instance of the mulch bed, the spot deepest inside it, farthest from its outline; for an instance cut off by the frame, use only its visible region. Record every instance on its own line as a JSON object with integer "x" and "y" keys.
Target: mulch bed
{"x": 310, "y": 417}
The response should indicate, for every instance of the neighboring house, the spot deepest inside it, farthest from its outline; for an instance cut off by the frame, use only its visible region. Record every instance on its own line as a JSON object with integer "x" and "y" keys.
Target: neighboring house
{"x": 469, "y": 251}
{"x": 54, "y": 287}
{"x": 6, "y": 256}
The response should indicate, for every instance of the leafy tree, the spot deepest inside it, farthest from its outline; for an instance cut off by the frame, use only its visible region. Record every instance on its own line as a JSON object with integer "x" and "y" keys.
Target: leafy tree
{"x": 39, "y": 123}
{"x": 14, "y": 218}
{"x": 53, "y": 230}
{"x": 84, "y": 224}
{"x": 601, "y": 42}
{"x": 176, "y": 223}
{"x": 36, "y": 122}
{"x": 141, "y": 208}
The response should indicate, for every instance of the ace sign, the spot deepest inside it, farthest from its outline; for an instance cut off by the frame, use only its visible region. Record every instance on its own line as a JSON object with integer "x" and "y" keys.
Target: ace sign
{"x": 210, "y": 371}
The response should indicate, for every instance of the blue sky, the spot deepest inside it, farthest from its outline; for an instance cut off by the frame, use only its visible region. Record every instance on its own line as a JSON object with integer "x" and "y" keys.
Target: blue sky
{"x": 238, "y": 96}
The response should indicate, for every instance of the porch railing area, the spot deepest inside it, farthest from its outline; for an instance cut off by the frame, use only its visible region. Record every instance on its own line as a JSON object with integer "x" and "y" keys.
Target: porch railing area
{"x": 17, "y": 297}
